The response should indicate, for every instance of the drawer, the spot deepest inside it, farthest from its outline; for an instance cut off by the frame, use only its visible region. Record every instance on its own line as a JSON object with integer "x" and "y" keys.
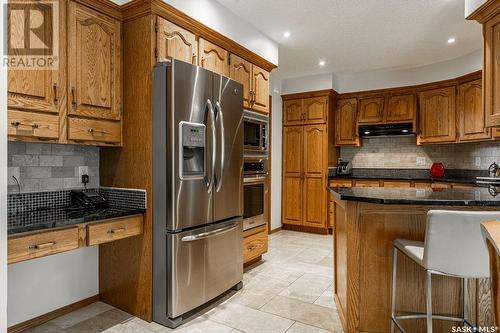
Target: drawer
{"x": 340, "y": 183}
{"x": 112, "y": 230}
{"x": 41, "y": 244}
{"x": 33, "y": 125}
{"x": 440, "y": 185}
{"x": 396, "y": 184}
{"x": 94, "y": 130}
{"x": 366, "y": 183}
{"x": 422, "y": 185}
{"x": 254, "y": 244}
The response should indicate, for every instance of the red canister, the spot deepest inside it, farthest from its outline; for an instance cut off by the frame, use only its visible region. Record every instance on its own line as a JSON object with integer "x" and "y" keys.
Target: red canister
{"x": 437, "y": 170}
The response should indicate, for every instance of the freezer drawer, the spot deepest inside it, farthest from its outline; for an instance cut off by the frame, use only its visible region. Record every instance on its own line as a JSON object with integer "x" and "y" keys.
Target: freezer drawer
{"x": 204, "y": 262}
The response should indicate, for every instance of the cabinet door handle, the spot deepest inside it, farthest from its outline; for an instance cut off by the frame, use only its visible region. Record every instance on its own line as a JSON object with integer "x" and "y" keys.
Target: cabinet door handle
{"x": 193, "y": 59}
{"x": 93, "y": 130}
{"x": 42, "y": 246}
{"x": 56, "y": 98}
{"x": 202, "y": 61}
{"x": 73, "y": 101}
{"x": 116, "y": 231}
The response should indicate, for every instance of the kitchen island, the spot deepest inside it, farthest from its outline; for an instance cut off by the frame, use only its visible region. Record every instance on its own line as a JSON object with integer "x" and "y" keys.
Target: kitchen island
{"x": 366, "y": 222}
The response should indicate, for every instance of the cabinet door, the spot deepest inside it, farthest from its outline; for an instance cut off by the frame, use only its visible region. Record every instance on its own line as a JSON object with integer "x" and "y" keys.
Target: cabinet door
{"x": 345, "y": 122}
{"x": 292, "y": 174}
{"x": 315, "y": 110}
{"x": 176, "y": 42}
{"x": 213, "y": 57}
{"x": 401, "y": 108}
{"x": 34, "y": 89}
{"x": 260, "y": 88}
{"x": 315, "y": 167}
{"x": 371, "y": 110}
{"x": 471, "y": 117}
{"x": 437, "y": 116}
{"x": 491, "y": 71}
{"x": 292, "y": 112}
{"x": 241, "y": 70}
{"x": 94, "y": 64}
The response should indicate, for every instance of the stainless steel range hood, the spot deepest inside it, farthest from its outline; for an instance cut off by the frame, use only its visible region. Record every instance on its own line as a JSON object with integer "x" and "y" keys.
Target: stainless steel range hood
{"x": 386, "y": 130}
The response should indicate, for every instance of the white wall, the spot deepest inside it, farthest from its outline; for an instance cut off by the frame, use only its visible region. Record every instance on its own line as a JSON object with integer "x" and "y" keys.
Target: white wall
{"x": 472, "y": 5}
{"x": 3, "y": 180}
{"x": 276, "y": 150}
{"x": 308, "y": 83}
{"x": 41, "y": 285}
{"x": 216, "y": 16}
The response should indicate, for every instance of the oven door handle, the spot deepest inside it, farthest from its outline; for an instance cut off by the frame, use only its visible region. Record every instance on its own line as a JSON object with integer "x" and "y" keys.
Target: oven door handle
{"x": 207, "y": 234}
{"x": 254, "y": 179}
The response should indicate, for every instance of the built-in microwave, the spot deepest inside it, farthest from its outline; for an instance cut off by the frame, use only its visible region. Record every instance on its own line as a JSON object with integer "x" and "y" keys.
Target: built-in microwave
{"x": 255, "y": 133}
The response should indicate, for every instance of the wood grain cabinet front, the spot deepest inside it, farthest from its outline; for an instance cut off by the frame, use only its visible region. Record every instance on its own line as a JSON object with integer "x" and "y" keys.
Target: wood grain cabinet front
{"x": 26, "y": 126}
{"x": 471, "y": 116}
{"x": 315, "y": 110}
{"x": 255, "y": 243}
{"x": 371, "y": 110}
{"x": 213, "y": 57}
{"x": 345, "y": 122}
{"x": 175, "y": 42}
{"x": 437, "y": 116}
{"x": 260, "y": 89}
{"x": 113, "y": 230}
{"x": 41, "y": 244}
{"x": 292, "y": 112}
{"x": 241, "y": 70}
{"x": 92, "y": 130}
{"x": 491, "y": 70}
{"x": 401, "y": 108}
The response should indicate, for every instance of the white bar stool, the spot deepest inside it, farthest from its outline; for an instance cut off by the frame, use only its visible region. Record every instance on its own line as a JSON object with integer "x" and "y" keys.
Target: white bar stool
{"x": 453, "y": 246}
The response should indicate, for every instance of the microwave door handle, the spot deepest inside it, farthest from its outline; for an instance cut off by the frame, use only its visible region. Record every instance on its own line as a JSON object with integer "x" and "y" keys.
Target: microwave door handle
{"x": 220, "y": 118}
{"x": 210, "y": 113}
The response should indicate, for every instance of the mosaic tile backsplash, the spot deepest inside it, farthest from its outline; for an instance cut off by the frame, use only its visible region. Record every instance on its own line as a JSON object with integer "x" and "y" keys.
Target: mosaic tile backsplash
{"x": 48, "y": 167}
{"x": 402, "y": 153}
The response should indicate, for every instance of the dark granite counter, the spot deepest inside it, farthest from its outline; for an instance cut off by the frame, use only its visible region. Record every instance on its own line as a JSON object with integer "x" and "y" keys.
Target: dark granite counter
{"x": 451, "y": 175}
{"x": 474, "y": 196}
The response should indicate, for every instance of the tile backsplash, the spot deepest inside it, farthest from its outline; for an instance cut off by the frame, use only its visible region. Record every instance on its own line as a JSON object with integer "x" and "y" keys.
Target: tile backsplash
{"x": 403, "y": 153}
{"x": 46, "y": 167}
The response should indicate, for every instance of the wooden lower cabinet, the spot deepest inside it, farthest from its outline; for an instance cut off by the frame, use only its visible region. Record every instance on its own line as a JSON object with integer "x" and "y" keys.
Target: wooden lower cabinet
{"x": 255, "y": 243}
{"x": 366, "y": 183}
{"x": 388, "y": 183}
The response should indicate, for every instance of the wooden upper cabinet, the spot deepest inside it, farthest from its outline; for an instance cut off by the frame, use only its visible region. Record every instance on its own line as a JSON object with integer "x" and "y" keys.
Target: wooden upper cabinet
{"x": 241, "y": 70}
{"x": 315, "y": 110}
{"x": 94, "y": 64}
{"x": 371, "y": 110}
{"x": 175, "y": 42}
{"x": 260, "y": 89}
{"x": 491, "y": 70}
{"x": 213, "y": 57}
{"x": 471, "y": 117}
{"x": 437, "y": 115}
{"x": 34, "y": 90}
{"x": 292, "y": 112}
{"x": 401, "y": 108}
{"x": 345, "y": 122}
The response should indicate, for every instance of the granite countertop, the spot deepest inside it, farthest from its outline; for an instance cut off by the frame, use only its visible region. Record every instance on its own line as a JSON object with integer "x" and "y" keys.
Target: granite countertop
{"x": 451, "y": 175}
{"x": 43, "y": 219}
{"x": 474, "y": 196}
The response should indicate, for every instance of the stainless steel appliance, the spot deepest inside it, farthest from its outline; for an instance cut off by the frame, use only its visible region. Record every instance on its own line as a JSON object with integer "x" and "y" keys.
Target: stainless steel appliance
{"x": 343, "y": 167}
{"x": 255, "y": 133}
{"x": 197, "y": 188}
{"x": 255, "y": 189}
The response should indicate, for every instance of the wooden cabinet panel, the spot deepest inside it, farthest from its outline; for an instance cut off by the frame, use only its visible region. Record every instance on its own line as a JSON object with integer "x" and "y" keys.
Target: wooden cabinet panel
{"x": 260, "y": 89}
{"x": 292, "y": 200}
{"x": 105, "y": 232}
{"x": 315, "y": 147}
{"x": 175, "y": 42}
{"x": 440, "y": 185}
{"x": 401, "y": 108}
{"x": 315, "y": 201}
{"x": 331, "y": 213}
{"x": 41, "y": 244}
{"x": 292, "y": 174}
{"x": 437, "y": 116}
{"x": 94, "y": 64}
{"x": 255, "y": 243}
{"x": 292, "y": 112}
{"x": 371, "y": 110}
{"x": 34, "y": 90}
{"x": 292, "y": 150}
{"x": 491, "y": 71}
{"x": 213, "y": 57}
{"x": 345, "y": 122}
{"x": 315, "y": 110}
{"x": 471, "y": 116}
{"x": 102, "y": 131}
{"x": 495, "y": 132}
{"x": 366, "y": 183}
{"x": 29, "y": 125}
{"x": 241, "y": 70}
{"x": 341, "y": 183}
{"x": 396, "y": 183}
{"x": 422, "y": 185}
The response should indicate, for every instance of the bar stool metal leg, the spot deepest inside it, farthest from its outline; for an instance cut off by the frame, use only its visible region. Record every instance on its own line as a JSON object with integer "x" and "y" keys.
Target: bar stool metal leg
{"x": 429, "y": 301}
{"x": 393, "y": 293}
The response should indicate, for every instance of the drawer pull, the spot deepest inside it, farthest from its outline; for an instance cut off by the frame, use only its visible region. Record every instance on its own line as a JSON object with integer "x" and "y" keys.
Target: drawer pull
{"x": 116, "y": 231}
{"x": 56, "y": 99}
{"x": 42, "y": 246}
{"x": 18, "y": 123}
{"x": 93, "y": 130}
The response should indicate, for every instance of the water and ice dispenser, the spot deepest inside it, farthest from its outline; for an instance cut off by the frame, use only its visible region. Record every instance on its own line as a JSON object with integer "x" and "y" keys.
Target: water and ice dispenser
{"x": 193, "y": 150}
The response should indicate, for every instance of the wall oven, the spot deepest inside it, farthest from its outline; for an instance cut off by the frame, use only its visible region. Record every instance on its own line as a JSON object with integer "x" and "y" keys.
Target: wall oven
{"x": 255, "y": 189}
{"x": 256, "y": 128}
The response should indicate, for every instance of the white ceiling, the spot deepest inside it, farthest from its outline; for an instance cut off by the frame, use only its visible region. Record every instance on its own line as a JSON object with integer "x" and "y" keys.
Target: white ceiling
{"x": 355, "y": 36}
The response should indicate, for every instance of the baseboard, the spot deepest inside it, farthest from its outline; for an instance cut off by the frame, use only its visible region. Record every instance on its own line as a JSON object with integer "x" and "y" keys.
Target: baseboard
{"x": 302, "y": 228}
{"x": 253, "y": 261}
{"x": 37, "y": 321}
{"x": 274, "y": 230}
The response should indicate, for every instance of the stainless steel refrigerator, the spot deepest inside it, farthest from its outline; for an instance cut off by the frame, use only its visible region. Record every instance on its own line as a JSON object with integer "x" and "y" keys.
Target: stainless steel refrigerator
{"x": 197, "y": 189}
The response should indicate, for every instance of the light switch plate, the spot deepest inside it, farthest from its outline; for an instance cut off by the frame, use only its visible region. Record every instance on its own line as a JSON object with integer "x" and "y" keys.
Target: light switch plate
{"x": 477, "y": 161}
{"x": 420, "y": 160}
{"x": 82, "y": 170}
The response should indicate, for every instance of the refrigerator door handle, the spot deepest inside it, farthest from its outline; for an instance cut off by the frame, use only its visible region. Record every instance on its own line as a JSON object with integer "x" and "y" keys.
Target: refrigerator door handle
{"x": 210, "y": 111}
{"x": 207, "y": 234}
{"x": 220, "y": 118}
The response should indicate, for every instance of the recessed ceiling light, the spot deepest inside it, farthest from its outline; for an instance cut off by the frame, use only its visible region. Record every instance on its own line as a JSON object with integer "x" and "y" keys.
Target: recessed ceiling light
{"x": 287, "y": 34}
{"x": 451, "y": 40}
{"x": 322, "y": 63}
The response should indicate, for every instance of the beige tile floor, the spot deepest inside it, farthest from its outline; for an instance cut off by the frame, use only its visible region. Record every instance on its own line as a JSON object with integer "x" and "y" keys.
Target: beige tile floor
{"x": 289, "y": 291}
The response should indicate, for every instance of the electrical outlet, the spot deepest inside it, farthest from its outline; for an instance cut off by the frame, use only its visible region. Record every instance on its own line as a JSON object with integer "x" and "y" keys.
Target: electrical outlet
{"x": 420, "y": 160}
{"x": 477, "y": 161}
{"x": 82, "y": 170}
